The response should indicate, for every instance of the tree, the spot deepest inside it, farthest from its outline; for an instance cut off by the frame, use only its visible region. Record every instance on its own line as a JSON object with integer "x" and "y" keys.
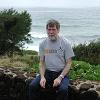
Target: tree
{"x": 14, "y": 30}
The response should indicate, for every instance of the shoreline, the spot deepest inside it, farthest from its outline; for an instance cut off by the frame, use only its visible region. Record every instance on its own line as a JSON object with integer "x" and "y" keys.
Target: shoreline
{"x": 35, "y": 47}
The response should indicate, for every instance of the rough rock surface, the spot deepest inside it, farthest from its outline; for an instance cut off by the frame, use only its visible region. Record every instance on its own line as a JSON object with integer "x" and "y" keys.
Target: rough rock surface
{"x": 14, "y": 86}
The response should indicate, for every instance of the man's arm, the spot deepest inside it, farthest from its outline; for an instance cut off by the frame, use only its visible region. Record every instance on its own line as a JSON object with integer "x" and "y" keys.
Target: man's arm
{"x": 42, "y": 72}
{"x": 65, "y": 71}
{"x": 67, "y": 68}
{"x": 42, "y": 68}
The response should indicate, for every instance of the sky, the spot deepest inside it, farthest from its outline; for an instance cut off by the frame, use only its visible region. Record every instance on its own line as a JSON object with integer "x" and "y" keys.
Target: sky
{"x": 50, "y": 3}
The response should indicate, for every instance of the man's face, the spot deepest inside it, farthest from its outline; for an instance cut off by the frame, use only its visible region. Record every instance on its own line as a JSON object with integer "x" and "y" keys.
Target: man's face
{"x": 52, "y": 32}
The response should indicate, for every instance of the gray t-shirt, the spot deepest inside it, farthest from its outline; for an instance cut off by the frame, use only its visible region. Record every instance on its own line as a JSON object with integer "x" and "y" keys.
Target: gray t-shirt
{"x": 55, "y": 53}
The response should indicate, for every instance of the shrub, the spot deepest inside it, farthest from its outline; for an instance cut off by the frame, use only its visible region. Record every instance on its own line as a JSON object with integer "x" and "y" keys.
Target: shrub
{"x": 89, "y": 53}
{"x": 83, "y": 70}
{"x": 14, "y": 31}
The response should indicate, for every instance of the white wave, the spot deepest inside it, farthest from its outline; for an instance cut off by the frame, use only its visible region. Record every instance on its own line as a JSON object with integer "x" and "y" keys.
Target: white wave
{"x": 30, "y": 47}
{"x": 38, "y": 35}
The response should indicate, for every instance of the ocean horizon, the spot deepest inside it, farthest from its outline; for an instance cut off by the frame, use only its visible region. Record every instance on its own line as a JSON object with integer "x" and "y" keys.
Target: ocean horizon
{"x": 78, "y": 25}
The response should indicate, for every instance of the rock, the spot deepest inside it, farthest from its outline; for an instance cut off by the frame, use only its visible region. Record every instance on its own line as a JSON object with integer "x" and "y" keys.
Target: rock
{"x": 73, "y": 92}
{"x": 98, "y": 88}
{"x": 85, "y": 86}
{"x": 88, "y": 95}
{"x": 14, "y": 86}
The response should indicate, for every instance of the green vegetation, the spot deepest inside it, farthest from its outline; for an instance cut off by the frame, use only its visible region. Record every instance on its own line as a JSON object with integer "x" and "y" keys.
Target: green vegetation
{"x": 14, "y": 29}
{"x": 29, "y": 52}
{"x": 83, "y": 70}
{"x": 89, "y": 53}
{"x": 30, "y": 63}
{"x": 25, "y": 62}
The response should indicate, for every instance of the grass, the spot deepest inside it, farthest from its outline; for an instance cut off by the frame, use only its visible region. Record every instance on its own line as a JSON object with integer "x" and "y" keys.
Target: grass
{"x": 83, "y": 70}
{"x": 25, "y": 62}
{"x": 29, "y": 63}
{"x": 87, "y": 68}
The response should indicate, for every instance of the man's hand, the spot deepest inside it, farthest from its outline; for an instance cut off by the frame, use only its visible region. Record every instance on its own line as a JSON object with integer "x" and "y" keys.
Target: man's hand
{"x": 57, "y": 81}
{"x": 43, "y": 82}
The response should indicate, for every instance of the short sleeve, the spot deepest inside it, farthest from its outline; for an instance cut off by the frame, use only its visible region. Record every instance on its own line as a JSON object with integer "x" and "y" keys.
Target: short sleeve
{"x": 41, "y": 51}
{"x": 68, "y": 51}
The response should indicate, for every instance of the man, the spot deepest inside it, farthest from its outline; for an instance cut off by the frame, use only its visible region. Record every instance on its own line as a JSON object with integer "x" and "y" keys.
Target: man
{"x": 55, "y": 60}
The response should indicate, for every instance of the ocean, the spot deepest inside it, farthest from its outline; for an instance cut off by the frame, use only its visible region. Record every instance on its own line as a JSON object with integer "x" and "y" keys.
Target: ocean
{"x": 78, "y": 25}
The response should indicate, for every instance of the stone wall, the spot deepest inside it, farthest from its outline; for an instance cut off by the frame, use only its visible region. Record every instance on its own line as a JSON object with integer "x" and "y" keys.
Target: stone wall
{"x": 14, "y": 85}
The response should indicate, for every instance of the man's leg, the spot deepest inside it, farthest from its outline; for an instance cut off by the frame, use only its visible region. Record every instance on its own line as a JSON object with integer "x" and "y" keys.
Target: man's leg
{"x": 34, "y": 88}
{"x": 62, "y": 91}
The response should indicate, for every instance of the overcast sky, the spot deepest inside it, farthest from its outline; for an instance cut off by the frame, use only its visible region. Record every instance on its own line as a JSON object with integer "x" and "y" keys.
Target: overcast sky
{"x": 50, "y": 3}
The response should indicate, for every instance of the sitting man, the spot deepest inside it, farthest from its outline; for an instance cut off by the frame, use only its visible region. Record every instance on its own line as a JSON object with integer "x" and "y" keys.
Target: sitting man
{"x": 55, "y": 60}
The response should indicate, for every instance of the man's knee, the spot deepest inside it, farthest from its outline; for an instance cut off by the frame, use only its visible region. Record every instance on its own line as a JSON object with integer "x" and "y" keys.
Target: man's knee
{"x": 35, "y": 84}
{"x": 32, "y": 86}
{"x": 63, "y": 90}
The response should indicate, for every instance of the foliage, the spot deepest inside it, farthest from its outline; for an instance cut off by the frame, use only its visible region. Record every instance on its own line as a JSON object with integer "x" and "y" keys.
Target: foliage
{"x": 26, "y": 62}
{"x": 89, "y": 53}
{"x": 83, "y": 70}
{"x": 79, "y": 69}
{"x": 29, "y": 52}
{"x": 14, "y": 29}
{"x": 9, "y": 62}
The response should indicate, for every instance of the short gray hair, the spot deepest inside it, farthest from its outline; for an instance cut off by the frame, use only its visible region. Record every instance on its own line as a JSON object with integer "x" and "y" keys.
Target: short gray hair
{"x": 52, "y": 23}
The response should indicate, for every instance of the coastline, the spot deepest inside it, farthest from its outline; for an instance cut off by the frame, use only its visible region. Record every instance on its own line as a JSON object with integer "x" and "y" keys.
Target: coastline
{"x": 35, "y": 45}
